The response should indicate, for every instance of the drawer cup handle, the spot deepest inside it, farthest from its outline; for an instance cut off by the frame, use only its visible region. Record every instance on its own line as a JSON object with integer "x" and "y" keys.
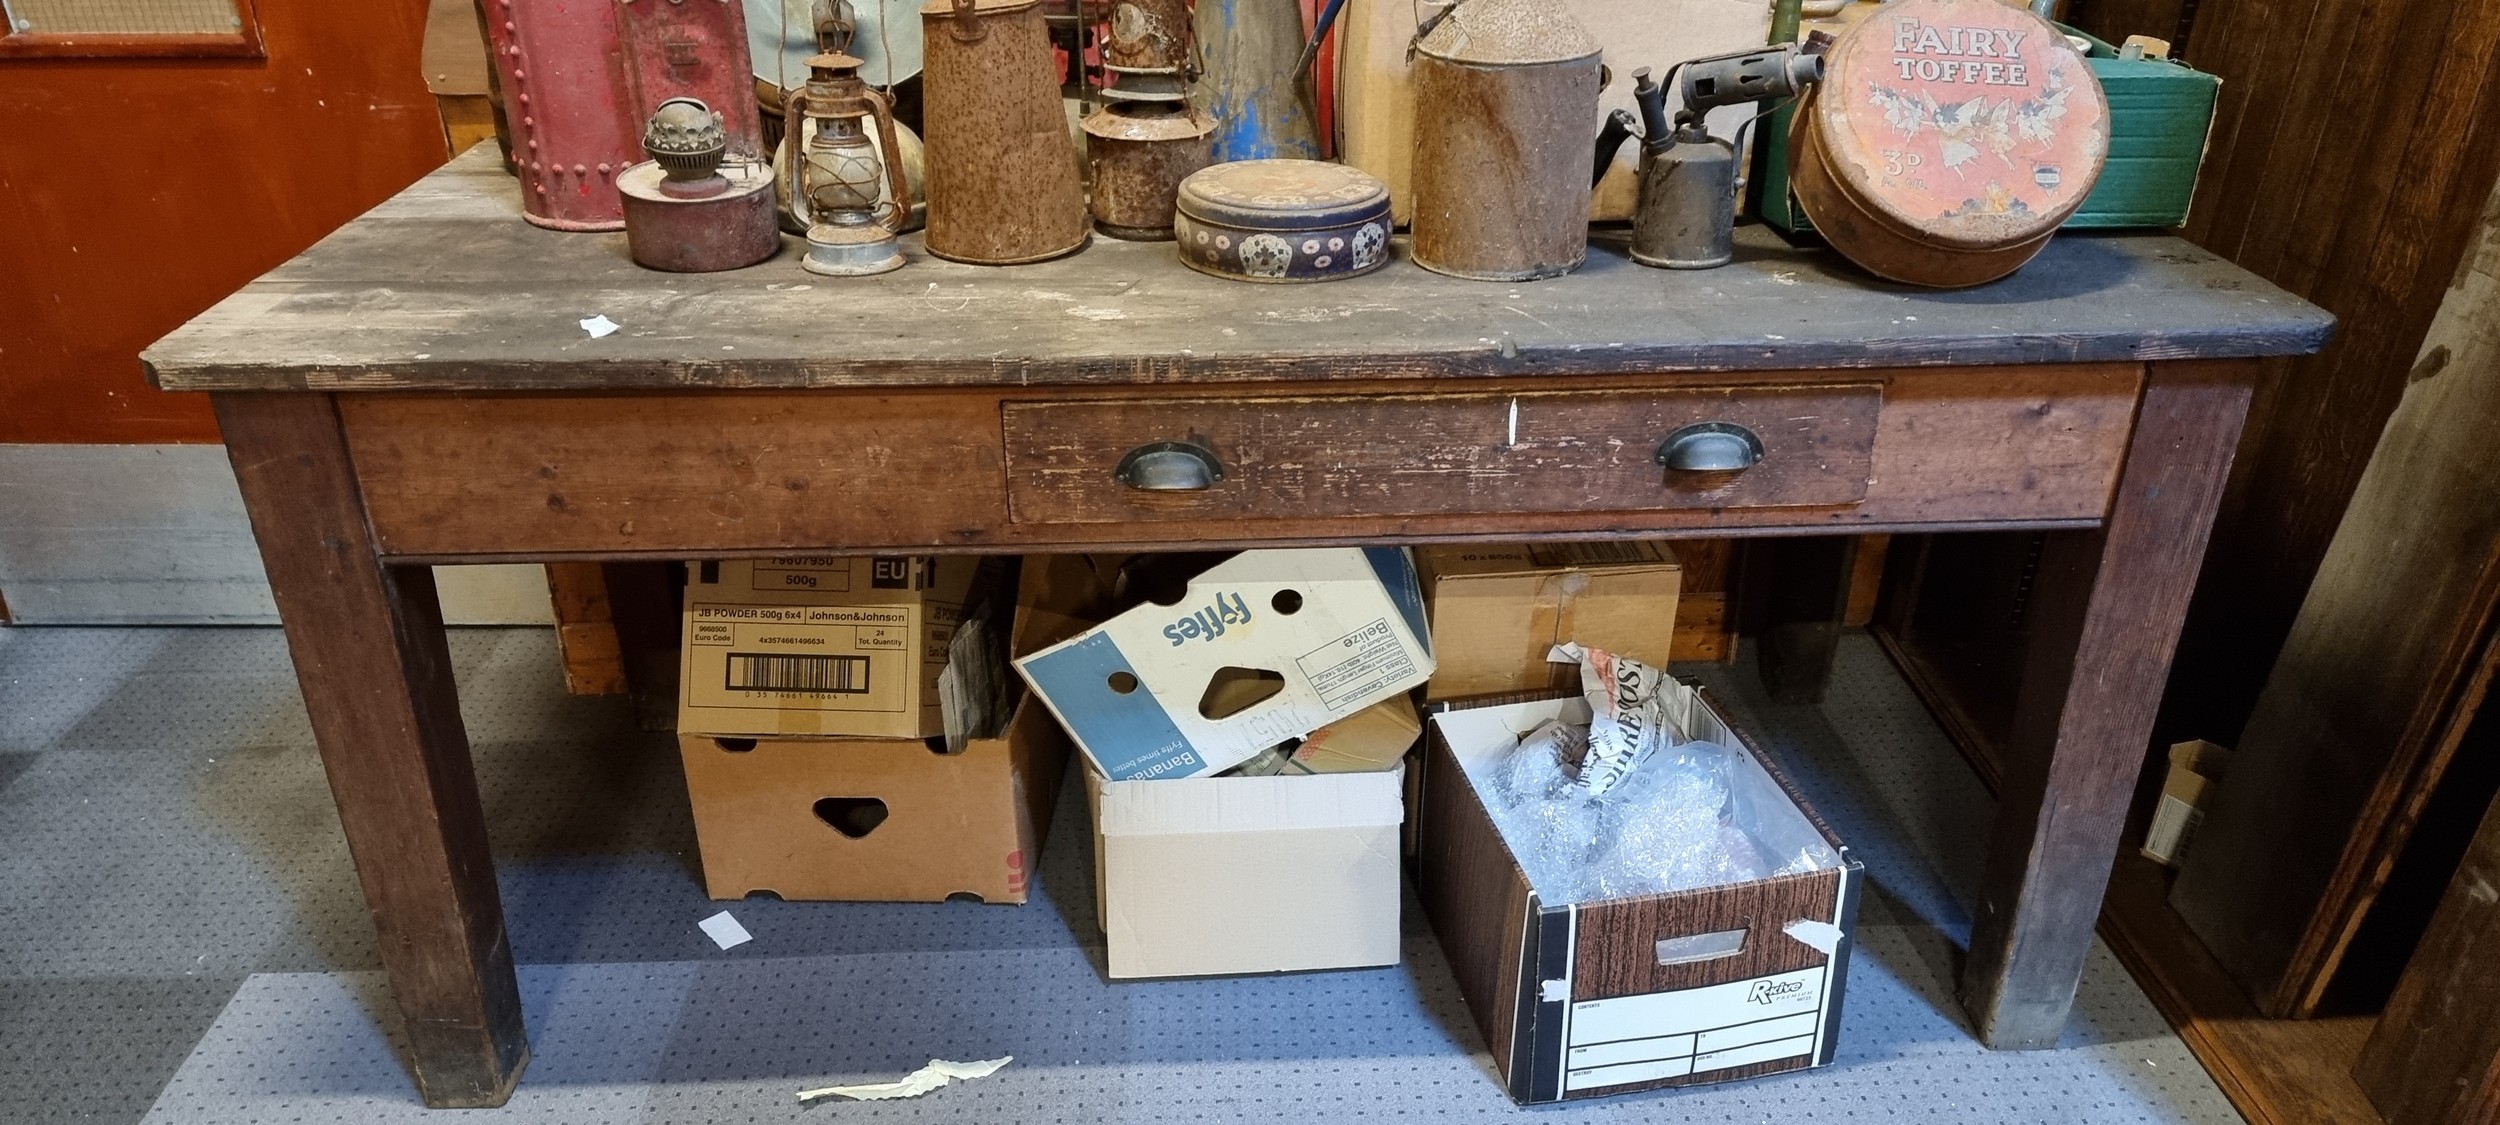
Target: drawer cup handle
{"x": 1170, "y": 466}
{"x": 1711, "y": 447}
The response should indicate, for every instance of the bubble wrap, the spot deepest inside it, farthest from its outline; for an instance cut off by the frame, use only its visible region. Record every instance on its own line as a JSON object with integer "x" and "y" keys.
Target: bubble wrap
{"x": 1662, "y": 828}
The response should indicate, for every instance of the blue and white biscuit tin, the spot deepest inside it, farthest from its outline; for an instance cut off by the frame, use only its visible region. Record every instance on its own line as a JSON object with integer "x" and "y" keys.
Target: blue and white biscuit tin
{"x": 1283, "y": 220}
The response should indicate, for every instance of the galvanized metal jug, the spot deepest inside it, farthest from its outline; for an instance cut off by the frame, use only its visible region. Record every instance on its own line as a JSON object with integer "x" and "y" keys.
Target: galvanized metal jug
{"x": 1505, "y": 91}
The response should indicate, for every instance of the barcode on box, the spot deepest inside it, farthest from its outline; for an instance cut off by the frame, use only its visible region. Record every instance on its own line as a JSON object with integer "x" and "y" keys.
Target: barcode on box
{"x": 815, "y": 675}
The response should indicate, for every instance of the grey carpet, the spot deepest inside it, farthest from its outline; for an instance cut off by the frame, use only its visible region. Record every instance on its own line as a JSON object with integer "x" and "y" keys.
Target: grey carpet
{"x": 167, "y": 849}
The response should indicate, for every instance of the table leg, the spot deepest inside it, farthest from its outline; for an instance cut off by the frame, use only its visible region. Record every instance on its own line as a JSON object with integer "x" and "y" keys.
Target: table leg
{"x": 367, "y": 639}
{"x": 2110, "y": 602}
{"x": 1803, "y": 584}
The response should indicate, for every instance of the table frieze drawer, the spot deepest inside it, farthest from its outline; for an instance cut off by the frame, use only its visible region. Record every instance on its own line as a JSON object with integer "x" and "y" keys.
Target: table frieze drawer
{"x": 1630, "y": 450}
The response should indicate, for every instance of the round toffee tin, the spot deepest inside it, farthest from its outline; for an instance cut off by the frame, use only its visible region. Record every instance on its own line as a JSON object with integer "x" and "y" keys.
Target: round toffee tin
{"x": 1282, "y": 220}
{"x": 1948, "y": 140}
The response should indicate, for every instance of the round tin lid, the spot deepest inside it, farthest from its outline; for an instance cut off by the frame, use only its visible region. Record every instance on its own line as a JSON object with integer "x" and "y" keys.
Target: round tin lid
{"x": 1507, "y": 33}
{"x": 1282, "y": 194}
{"x": 1966, "y": 123}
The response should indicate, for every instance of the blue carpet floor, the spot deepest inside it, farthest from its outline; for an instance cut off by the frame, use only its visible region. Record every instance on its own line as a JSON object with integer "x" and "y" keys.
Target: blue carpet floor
{"x": 183, "y": 939}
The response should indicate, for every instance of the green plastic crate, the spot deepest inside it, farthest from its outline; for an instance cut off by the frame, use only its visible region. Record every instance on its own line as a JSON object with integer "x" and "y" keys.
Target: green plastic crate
{"x": 2160, "y": 113}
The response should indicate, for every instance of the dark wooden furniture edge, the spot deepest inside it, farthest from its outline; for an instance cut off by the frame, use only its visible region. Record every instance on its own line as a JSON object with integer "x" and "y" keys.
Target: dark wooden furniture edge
{"x": 2275, "y": 1072}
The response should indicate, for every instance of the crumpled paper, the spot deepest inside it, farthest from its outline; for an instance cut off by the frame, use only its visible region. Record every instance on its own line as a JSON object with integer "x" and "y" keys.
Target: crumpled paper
{"x": 938, "y": 1073}
{"x": 1628, "y": 701}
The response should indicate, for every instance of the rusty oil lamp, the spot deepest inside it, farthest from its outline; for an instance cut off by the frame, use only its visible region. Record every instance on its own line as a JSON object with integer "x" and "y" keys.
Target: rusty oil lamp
{"x": 835, "y": 174}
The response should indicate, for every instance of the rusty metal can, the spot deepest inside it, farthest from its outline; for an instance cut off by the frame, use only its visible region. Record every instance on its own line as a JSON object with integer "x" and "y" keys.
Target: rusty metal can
{"x": 1283, "y": 220}
{"x": 1948, "y": 140}
{"x": 1141, "y": 151}
{"x": 1505, "y": 91}
{"x": 667, "y": 231}
{"x": 1003, "y": 182}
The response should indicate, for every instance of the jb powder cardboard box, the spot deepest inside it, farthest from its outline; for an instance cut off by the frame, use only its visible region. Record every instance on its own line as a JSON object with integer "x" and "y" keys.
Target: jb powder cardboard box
{"x": 1582, "y": 1000}
{"x": 817, "y": 645}
{"x": 889, "y": 819}
{"x": 1329, "y": 632}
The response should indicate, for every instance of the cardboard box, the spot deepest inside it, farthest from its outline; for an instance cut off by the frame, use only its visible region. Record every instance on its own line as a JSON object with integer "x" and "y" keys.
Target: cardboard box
{"x": 819, "y": 645}
{"x": 2195, "y": 769}
{"x": 1373, "y": 739}
{"x": 1497, "y": 610}
{"x": 894, "y": 819}
{"x": 1325, "y": 633}
{"x": 1608, "y": 997}
{"x": 1218, "y": 875}
{"x": 875, "y": 820}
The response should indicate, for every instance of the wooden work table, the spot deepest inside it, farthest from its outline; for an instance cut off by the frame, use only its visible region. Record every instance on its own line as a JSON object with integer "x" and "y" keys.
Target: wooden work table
{"x": 418, "y": 388}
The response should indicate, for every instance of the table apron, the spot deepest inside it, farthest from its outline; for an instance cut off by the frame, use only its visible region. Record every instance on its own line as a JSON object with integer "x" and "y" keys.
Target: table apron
{"x": 539, "y": 475}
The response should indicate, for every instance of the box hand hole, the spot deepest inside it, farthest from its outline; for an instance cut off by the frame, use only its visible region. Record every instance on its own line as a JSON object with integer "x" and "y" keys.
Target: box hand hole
{"x": 1286, "y": 602}
{"x": 1689, "y": 948}
{"x": 1122, "y": 683}
{"x": 851, "y": 816}
{"x": 1232, "y": 691}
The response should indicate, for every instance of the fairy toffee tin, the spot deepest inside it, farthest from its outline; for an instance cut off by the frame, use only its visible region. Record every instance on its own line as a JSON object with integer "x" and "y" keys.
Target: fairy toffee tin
{"x": 1948, "y": 140}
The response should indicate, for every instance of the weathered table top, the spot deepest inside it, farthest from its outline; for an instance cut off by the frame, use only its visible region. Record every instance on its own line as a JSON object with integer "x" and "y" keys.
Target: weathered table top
{"x": 445, "y": 288}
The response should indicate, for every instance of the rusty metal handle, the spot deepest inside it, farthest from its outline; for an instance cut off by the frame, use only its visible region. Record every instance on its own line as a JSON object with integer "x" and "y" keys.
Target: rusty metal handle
{"x": 1711, "y": 447}
{"x": 1170, "y": 466}
{"x": 881, "y": 107}
{"x": 967, "y": 26}
{"x": 794, "y": 156}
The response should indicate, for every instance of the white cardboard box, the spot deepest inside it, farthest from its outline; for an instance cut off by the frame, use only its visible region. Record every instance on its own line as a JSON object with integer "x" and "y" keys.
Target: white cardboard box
{"x": 1217, "y": 875}
{"x": 1342, "y": 628}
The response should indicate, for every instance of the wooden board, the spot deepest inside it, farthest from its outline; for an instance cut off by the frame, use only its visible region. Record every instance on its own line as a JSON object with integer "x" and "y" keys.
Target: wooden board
{"x": 444, "y": 288}
{"x": 2377, "y": 683}
{"x": 1591, "y": 450}
{"x": 2354, "y": 142}
{"x": 2435, "y": 1055}
{"x": 625, "y": 475}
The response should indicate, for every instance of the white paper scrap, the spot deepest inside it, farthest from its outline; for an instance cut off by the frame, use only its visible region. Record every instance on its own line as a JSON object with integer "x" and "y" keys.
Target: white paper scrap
{"x": 725, "y": 930}
{"x": 598, "y": 325}
{"x": 939, "y": 1072}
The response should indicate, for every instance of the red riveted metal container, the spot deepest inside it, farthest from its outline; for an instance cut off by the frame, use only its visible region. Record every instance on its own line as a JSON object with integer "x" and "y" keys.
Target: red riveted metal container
{"x": 693, "y": 49}
{"x": 1003, "y": 181}
{"x": 1948, "y": 141}
{"x": 563, "y": 94}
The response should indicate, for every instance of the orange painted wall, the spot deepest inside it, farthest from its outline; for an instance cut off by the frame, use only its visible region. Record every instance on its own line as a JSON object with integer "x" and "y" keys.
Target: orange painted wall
{"x": 135, "y": 193}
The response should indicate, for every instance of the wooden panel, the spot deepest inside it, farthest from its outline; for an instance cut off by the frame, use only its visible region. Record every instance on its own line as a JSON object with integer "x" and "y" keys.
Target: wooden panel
{"x": 2110, "y": 603}
{"x": 1385, "y": 455}
{"x": 623, "y": 473}
{"x": 2377, "y": 683}
{"x": 1702, "y": 632}
{"x": 444, "y": 290}
{"x": 617, "y": 475}
{"x": 2276, "y": 1072}
{"x": 2435, "y": 1057}
{"x": 370, "y": 655}
{"x": 2354, "y": 142}
{"x": 594, "y": 662}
